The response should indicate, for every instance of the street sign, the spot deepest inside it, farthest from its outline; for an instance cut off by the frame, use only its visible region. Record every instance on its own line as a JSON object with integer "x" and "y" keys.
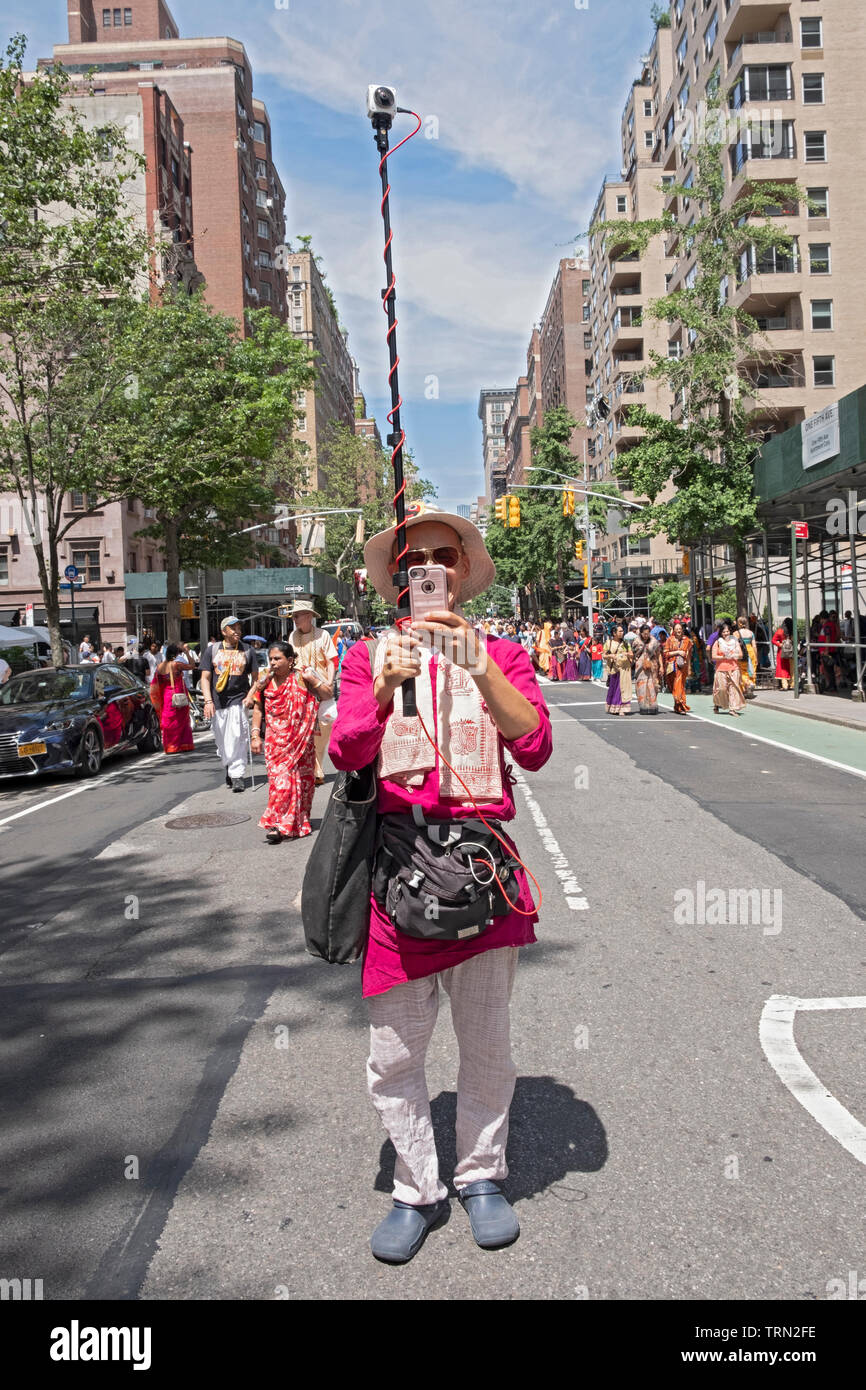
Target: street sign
{"x": 801, "y": 530}
{"x": 71, "y": 572}
{"x": 293, "y": 589}
{"x": 74, "y": 584}
{"x": 28, "y": 615}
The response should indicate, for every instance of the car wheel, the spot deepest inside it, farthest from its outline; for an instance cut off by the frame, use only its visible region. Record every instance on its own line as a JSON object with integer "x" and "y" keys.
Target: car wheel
{"x": 152, "y": 741}
{"x": 90, "y": 756}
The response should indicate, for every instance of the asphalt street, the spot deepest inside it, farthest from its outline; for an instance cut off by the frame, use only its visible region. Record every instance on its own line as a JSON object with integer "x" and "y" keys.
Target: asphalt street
{"x": 184, "y": 1090}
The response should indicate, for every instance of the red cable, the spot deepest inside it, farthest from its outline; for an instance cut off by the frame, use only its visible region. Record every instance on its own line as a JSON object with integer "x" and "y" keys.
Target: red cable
{"x": 392, "y": 329}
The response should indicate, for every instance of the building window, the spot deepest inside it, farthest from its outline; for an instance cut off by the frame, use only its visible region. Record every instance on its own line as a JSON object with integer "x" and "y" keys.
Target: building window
{"x": 106, "y": 19}
{"x": 118, "y": 19}
{"x": 587, "y": 342}
{"x": 621, "y": 203}
{"x": 815, "y": 146}
{"x": 261, "y": 198}
{"x": 811, "y": 33}
{"x": 77, "y": 500}
{"x": 648, "y": 139}
{"x": 261, "y": 169}
{"x": 298, "y": 323}
{"x": 825, "y": 371}
{"x": 820, "y": 197}
{"x": 263, "y": 228}
{"x": 132, "y": 562}
{"x": 127, "y": 17}
{"x": 265, "y": 290}
{"x": 296, "y": 272}
{"x": 819, "y": 258}
{"x": 4, "y": 564}
{"x": 87, "y": 564}
{"x": 259, "y": 131}
{"x": 647, "y": 108}
{"x": 585, "y": 285}
{"x": 822, "y": 313}
{"x": 813, "y": 88}
{"x": 265, "y": 259}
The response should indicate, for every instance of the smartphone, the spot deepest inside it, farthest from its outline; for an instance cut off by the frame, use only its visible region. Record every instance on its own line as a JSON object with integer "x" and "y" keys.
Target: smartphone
{"x": 428, "y": 590}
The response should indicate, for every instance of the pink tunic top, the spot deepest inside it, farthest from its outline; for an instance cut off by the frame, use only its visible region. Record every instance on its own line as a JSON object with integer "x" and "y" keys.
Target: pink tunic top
{"x": 392, "y": 957}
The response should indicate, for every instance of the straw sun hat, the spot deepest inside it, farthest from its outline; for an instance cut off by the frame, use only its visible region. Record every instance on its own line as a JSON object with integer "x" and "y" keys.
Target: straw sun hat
{"x": 378, "y": 551}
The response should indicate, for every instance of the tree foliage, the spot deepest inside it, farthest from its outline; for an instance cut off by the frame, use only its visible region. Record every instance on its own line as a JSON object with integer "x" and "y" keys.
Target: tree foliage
{"x": 668, "y": 601}
{"x": 209, "y": 411}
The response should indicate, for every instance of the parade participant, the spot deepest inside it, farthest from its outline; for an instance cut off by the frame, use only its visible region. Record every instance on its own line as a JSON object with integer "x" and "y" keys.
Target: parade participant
{"x": 617, "y": 656}
{"x": 557, "y": 655}
{"x": 749, "y": 660}
{"x": 647, "y": 670}
{"x": 169, "y": 697}
{"x": 783, "y": 641}
{"x": 316, "y": 652}
{"x": 479, "y": 699}
{"x": 290, "y": 713}
{"x": 584, "y": 663}
{"x": 228, "y": 670}
{"x": 727, "y": 654}
{"x": 597, "y": 652}
{"x": 543, "y": 648}
{"x": 677, "y": 657}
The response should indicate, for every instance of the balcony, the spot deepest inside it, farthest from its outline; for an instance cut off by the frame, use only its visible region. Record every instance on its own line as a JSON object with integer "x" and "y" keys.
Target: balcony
{"x": 751, "y": 17}
{"x": 622, "y": 272}
{"x": 781, "y": 146}
{"x": 629, "y": 384}
{"x": 755, "y": 90}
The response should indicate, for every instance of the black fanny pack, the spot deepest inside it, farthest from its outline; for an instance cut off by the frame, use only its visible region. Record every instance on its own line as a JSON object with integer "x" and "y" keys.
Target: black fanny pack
{"x": 438, "y": 880}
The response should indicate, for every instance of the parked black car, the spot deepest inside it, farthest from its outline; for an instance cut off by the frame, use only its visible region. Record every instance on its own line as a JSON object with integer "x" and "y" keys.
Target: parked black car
{"x": 71, "y": 717}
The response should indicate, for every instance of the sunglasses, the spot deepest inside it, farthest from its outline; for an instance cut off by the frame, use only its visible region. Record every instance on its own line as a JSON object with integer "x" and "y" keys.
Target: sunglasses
{"x": 447, "y": 555}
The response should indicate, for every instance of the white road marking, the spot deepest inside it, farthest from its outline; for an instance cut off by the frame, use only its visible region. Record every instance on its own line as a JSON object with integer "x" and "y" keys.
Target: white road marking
{"x": 95, "y": 782}
{"x": 568, "y": 883}
{"x": 776, "y": 1032}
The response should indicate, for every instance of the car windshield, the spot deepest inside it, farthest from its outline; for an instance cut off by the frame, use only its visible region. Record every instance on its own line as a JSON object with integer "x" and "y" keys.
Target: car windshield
{"x": 35, "y": 687}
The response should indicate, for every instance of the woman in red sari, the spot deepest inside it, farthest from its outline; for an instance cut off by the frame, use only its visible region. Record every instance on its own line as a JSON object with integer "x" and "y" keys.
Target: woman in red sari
{"x": 290, "y": 711}
{"x": 169, "y": 697}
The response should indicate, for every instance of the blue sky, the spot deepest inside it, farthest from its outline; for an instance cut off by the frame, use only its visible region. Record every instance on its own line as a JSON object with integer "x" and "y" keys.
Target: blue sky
{"x": 527, "y": 98}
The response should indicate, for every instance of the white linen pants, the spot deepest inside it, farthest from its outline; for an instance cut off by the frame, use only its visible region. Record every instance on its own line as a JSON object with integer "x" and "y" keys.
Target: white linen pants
{"x": 322, "y": 739}
{"x": 230, "y": 737}
{"x": 401, "y": 1025}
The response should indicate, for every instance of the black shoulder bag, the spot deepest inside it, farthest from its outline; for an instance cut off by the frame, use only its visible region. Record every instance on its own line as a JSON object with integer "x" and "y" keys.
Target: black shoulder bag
{"x": 335, "y": 898}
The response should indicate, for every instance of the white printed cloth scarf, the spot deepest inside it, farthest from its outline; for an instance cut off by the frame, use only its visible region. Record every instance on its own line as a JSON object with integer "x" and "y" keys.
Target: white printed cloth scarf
{"x": 466, "y": 734}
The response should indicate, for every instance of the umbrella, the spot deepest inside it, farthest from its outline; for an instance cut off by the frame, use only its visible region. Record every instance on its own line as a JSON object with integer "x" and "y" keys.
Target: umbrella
{"x": 253, "y": 637}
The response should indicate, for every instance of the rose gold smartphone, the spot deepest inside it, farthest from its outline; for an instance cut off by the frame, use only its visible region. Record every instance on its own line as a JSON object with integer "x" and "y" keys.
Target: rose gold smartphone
{"x": 428, "y": 590}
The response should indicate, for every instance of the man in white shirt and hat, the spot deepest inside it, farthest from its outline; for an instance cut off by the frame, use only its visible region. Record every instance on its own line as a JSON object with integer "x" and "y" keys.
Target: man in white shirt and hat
{"x": 228, "y": 671}
{"x": 317, "y": 655}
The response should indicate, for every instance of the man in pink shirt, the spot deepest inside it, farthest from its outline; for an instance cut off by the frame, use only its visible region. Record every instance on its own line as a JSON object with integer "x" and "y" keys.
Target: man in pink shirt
{"x": 478, "y": 699}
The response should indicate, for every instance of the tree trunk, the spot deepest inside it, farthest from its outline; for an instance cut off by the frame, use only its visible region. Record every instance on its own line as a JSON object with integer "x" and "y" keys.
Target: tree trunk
{"x": 172, "y": 578}
{"x": 740, "y": 579}
{"x": 533, "y": 602}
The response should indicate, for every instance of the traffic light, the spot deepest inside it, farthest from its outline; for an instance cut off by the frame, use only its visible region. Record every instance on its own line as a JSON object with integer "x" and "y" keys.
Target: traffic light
{"x": 513, "y": 511}
{"x": 602, "y": 595}
{"x": 188, "y": 608}
{"x": 568, "y": 502}
{"x": 687, "y": 562}
{"x": 578, "y": 550}
{"x": 586, "y": 576}
{"x": 502, "y": 509}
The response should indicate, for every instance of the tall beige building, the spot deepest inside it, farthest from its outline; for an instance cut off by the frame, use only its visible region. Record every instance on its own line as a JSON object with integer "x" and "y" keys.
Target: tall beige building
{"x": 790, "y": 72}
{"x": 312, "y": 317}
{"x": 623, "y": 336}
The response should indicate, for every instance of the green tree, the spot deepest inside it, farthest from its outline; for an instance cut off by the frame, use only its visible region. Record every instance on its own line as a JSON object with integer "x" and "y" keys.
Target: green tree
{"x": 542, "y": 547}
{"x": 70, "y": 254}
{"x": 707, "y": 453}
{"x": 497, "y": 597}
{"x": 668, "y": 600}
{"x": 210, "y": 408}
{"x": 357, "y": 473}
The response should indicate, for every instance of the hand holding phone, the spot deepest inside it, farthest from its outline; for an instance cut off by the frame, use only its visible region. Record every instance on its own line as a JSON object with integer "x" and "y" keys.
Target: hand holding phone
{"x": 428, "y": 590}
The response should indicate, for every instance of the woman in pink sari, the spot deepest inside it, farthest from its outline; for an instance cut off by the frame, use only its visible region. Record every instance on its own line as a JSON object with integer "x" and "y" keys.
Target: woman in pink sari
{"x": 290, "y": 712}
{"x": 169, "y": 698}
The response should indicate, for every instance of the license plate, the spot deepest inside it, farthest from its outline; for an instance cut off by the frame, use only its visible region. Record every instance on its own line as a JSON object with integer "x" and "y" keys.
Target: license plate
{"x": 27, "y": 750}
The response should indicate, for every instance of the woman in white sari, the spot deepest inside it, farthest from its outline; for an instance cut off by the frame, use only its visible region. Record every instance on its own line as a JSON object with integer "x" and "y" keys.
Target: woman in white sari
{"x": 727, "y": 653}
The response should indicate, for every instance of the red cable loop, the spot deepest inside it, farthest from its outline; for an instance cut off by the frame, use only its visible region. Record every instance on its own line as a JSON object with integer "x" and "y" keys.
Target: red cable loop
{"x": 392, "y": 328}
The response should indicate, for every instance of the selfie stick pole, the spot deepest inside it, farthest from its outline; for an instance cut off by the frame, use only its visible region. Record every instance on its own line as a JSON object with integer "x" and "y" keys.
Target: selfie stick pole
{"x": 381, "y": 126}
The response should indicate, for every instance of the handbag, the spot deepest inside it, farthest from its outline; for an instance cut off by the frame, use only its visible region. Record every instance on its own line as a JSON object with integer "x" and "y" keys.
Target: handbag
{"x": 179, "y": 699}
{"x": 786, "y": 650}
{"x": 442, "y": 880}
{"x": 335, "y": 897}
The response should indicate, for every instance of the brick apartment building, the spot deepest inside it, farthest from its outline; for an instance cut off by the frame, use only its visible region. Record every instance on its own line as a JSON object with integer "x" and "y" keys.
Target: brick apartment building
{"x": 104, "y": 545}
